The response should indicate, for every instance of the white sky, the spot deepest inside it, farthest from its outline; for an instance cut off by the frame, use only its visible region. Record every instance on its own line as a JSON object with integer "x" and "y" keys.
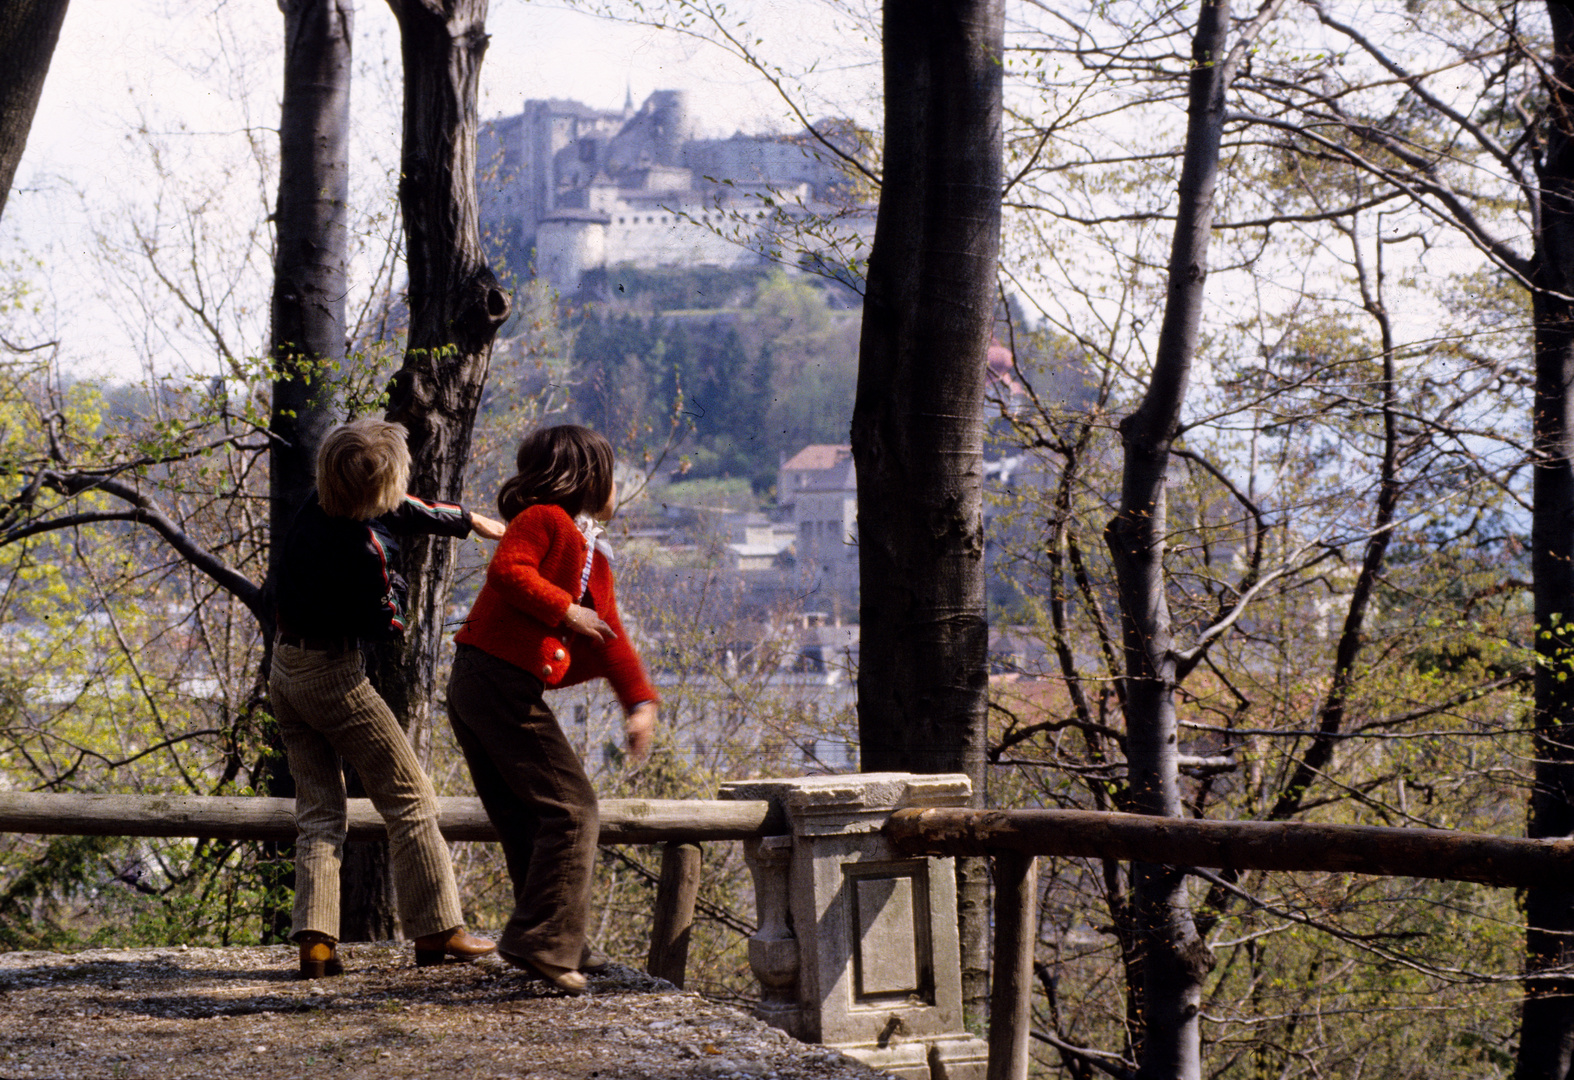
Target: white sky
{"x": 113, "y": 50}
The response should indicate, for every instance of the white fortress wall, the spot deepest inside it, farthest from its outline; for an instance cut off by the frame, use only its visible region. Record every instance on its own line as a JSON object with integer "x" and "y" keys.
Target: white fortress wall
{"x": 665, "y": 199}
{"x": 566, "y": 249}
{"x": 686, "y": 230}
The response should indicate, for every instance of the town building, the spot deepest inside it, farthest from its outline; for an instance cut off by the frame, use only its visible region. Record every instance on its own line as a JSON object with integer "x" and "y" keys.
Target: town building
{"x": 817, "y": 491}
{"x": 756, "y": 541}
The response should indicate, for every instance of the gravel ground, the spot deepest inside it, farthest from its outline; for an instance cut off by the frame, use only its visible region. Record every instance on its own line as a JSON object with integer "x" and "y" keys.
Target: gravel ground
{"x": 150, "y": 1014}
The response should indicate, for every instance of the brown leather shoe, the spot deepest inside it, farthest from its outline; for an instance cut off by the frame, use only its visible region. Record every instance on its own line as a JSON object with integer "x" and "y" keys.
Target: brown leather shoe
{"x": 319, "y": 955}
{"x": 458, "y": 943}
{"x": 592, "y": 961}
{"x": 563, "y": 978}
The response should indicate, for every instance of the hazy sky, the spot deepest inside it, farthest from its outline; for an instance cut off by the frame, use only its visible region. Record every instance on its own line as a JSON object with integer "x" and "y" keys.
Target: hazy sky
{"x": 114, "y": 54}
{"x": 193, "y": 86}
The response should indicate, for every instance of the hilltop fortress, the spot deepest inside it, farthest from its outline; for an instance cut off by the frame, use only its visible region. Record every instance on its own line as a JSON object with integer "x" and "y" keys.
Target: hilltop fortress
{"x": 588, "y": 191}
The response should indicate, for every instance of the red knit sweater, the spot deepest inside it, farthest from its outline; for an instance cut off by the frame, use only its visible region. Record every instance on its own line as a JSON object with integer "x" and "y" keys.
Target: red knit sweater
{"x": 530, "y": 583}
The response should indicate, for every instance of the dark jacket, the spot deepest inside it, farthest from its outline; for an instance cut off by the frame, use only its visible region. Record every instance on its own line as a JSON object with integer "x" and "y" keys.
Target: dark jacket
{"x": 337, "y": 577}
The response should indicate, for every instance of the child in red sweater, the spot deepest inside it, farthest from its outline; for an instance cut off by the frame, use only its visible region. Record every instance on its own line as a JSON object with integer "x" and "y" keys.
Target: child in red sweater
{"x": 546, "y": 617}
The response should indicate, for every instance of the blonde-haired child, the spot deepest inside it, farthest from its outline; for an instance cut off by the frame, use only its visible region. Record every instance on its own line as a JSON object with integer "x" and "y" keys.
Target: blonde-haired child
{"x": 337, "y": 588}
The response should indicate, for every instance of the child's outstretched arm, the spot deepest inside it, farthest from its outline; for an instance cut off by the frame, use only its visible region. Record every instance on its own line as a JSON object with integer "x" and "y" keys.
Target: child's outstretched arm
{"x": 417, "y": 515}
{"x": 487, "y": 528}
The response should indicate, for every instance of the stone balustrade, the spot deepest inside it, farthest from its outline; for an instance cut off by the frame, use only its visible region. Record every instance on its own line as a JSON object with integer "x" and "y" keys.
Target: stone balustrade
{"x": 857, "y": 943}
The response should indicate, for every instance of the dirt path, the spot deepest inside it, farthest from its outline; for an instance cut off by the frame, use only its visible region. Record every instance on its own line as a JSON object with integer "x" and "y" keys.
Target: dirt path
{"x": 148, "y": 1014}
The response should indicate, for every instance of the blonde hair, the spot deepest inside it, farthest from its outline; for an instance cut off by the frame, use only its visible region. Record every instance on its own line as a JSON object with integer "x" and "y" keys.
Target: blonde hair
{"x": 363, "y": 469}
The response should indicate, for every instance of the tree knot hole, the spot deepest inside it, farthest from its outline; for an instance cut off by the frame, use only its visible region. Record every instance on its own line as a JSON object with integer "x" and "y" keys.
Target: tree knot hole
{"x": 497, "y": 305}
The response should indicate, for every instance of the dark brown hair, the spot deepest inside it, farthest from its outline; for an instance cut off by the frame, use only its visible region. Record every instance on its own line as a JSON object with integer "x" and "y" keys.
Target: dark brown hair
{"x": 568, "y": 466}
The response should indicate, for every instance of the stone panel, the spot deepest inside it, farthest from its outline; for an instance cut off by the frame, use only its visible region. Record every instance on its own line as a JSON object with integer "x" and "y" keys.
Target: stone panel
{"x": 891, "y": 952}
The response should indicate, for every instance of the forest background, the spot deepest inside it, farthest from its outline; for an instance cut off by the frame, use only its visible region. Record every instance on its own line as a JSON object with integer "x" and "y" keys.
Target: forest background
{"x": 1347, "y": 547}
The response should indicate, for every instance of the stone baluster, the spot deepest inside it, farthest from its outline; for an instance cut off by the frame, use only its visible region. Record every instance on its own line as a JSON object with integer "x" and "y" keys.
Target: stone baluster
{"x": 773, "y": 950}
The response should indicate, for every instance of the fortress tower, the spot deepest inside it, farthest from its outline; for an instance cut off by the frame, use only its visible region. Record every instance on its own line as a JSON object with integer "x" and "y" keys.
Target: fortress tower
{"x": 583, "y": 190}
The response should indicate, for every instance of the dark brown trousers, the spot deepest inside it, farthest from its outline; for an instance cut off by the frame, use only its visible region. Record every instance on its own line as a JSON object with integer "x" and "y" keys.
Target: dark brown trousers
{"x": 537, "y": 794}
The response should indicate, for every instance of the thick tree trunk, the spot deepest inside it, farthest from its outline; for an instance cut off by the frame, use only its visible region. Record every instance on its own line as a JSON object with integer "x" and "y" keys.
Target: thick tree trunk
{"x": 456, "y": 307}
{"x": 1171, "y": 958}
{"x": 1547, "y": 1028}
{"x": 917, "y": 432}
{"x": 312, "y": 248}
{"x": 29, "y": 30}
{"x": 308, "y": 331}
{"x": 366, "y": 889}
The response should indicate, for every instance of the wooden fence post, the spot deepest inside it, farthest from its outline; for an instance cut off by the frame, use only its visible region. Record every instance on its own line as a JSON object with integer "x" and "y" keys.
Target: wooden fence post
{"x": 1010, "y": 996}
{"x": 676, "y": 893}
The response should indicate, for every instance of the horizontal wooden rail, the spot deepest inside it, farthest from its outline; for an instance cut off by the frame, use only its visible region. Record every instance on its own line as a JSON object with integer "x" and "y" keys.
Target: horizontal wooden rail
{"x": 1239, "y": 845}
{"x": 623, "y": 821}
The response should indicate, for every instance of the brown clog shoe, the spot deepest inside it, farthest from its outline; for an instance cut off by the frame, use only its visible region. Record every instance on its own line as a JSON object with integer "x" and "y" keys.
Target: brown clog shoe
{"x": 319, "y": 955}
{"x": 457, "y": 943}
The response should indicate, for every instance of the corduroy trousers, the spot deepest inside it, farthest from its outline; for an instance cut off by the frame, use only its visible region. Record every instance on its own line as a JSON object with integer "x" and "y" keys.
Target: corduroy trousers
{"x": 537, "y": 794}
{"x": 326, "y": 709}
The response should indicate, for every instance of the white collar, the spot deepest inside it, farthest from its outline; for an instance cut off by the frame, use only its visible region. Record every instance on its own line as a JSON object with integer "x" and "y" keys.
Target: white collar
{"x": 594, "y": 534}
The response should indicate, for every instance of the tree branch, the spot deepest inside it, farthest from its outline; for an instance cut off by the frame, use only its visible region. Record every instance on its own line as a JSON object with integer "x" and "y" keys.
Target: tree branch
{"x": 144, "y": 511}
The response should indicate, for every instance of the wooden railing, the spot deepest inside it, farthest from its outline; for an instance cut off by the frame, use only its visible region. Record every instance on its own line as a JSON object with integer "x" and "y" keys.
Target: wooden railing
{"x": 1014, "y": 839}
{"x": 679, "y": 825}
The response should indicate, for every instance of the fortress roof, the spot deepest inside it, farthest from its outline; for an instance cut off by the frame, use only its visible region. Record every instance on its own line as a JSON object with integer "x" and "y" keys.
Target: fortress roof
{"x": 568, "y": 107}
{"x": 574, "y": 213}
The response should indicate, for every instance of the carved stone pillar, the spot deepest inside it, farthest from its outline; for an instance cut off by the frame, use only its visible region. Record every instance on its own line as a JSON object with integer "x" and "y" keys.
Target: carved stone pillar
{"x": 773, "y": 950}
{"x": 878, "y": 973}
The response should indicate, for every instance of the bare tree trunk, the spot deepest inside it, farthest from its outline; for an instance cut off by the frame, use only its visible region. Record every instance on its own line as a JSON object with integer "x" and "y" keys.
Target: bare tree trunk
{"x": 29, "y": 30}
{"x": 308, "y": 330}
{"x": 456, "y": 307}
{"x": 1172, "y": 959}
{"x": 312, "y": 249}
{"x": 917, "y": 432}
{"x": 1547, "y": 1025}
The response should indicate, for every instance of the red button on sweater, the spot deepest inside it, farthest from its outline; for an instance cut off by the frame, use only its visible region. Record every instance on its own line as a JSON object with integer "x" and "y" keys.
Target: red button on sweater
{"x": 518, "y": 615}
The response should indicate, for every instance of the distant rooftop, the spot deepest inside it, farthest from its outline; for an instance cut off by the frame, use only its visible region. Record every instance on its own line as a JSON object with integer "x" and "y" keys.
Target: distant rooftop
{"x": 819, "y": 456}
